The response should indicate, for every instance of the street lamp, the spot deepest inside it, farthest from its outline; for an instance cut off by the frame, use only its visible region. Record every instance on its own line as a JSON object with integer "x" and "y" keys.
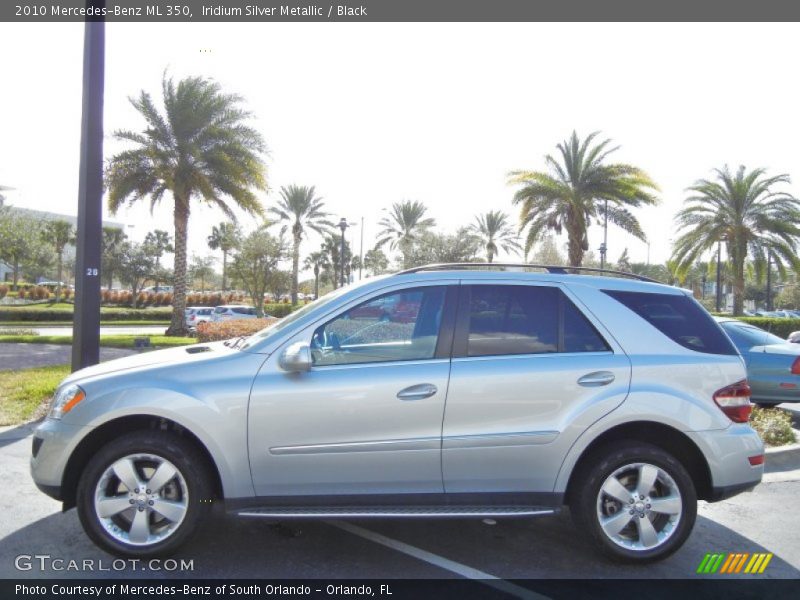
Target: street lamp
{"x": 342, "y": 225}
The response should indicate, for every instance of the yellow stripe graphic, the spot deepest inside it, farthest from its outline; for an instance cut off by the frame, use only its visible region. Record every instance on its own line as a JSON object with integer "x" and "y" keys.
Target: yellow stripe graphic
{"x": 751, "y": 563}
{"x": 765, "y": 563}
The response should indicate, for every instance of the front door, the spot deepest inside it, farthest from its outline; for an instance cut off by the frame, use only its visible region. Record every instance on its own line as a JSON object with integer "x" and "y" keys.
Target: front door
{"x": 367, "y": 417}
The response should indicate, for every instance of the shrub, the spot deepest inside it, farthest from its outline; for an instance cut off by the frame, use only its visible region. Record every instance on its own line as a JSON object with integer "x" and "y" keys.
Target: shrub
{"x": 279, "y": 309}
{"x": 774, "y": 425}
{"x": 167, "y": 298}
{"x": 66, "y": 293}
{"x": 158, "y": 300}
{"x": 3, "y": 291}
{"x": 21, "y": 293}
{"x": 65, "y": 314}
{"x": 212, "y": 332}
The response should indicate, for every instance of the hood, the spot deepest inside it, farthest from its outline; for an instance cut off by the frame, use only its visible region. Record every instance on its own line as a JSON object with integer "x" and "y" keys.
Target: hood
{"x": 159, "y": 358}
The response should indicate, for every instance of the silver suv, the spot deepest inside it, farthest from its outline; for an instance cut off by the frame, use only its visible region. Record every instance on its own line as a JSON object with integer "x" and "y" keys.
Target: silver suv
{"x": 444, "y": 391}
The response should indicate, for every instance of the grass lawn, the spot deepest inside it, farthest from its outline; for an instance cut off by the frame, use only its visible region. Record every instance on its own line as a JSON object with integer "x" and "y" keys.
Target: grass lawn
{"x": 110, "y": 341}
{"x": 23, "y": 392}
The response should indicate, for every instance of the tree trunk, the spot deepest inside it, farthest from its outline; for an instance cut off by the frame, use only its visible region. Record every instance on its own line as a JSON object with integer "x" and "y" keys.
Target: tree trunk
{"x": 60, "y": 271}
{"x": 490, "y": 255}
{"x": 575, "y": 249}
{"x": 316, "y": 282}
{"x": 177, "y": 326}
{"x": 16, "y": 274}
{"x": 295, "y": 267}
{"x": 224, "y": 270}
{"x": 738, "y": 281}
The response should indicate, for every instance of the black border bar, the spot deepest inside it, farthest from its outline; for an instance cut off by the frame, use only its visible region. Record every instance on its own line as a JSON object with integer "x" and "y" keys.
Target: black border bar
{"x": 135, "y": 11}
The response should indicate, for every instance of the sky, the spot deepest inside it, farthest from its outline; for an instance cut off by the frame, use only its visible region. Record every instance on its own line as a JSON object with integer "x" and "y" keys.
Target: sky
{"x": 376, "y": 113}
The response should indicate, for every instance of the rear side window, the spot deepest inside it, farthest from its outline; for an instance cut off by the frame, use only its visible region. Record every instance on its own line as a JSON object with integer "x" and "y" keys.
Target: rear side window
{"x": 524, "y": 319}
{"x": 678, "y": 317}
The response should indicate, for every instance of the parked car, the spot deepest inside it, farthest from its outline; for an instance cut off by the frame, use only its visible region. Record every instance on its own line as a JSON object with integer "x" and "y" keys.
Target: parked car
{"x": 197, "y": 314}
{"x": 773, "y": 364}
{"x": 501, "y": 394}
{"x": 154, "y": 289}
{"x": 232, "y": 312}
{"x": 794, "y": 337}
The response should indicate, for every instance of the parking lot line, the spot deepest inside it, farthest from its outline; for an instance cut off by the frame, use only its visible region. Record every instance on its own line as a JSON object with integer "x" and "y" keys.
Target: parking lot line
{"x": 439, "y": 561}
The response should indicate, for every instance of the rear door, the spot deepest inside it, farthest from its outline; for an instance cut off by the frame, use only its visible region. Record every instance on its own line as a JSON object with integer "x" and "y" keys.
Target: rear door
{"x": 530, "y": 371}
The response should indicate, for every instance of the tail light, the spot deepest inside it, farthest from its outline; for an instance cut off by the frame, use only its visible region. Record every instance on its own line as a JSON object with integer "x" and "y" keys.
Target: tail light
{"x": 734, "y": 401}
{"x": 796, "y": 366}
{"x": 191, "y": 317}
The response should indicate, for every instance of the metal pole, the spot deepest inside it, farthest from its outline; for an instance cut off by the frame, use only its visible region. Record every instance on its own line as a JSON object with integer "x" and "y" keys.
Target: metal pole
{"x": 604, "y": 247}
{"x": 769, "y": 280}
{"x": 719, "y": 275}
{"x": 86, "y": 324}
{"x": 342, "y": 226}
{"x": 361, "y": 251}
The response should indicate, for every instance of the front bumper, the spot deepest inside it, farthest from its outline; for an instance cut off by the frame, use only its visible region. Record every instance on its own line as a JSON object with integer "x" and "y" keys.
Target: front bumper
{"x": 727, "y": 452}
{"x": 53, "y": 443}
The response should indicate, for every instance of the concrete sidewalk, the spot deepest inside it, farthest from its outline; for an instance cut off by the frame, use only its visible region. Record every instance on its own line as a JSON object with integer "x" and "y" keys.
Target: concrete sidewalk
{"x": 22, "y": 356}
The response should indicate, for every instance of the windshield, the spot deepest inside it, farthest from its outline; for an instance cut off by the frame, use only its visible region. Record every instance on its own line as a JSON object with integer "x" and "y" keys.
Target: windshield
{"x": 747, "y": 336}
{"x": 276, "y": 327}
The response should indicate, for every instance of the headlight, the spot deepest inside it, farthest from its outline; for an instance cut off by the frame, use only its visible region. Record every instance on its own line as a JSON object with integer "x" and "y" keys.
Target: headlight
{"x": 66, "y": 399}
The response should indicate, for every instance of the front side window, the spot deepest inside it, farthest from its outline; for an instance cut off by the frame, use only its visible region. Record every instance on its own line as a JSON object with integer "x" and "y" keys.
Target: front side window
{"x": 401, "y": 325}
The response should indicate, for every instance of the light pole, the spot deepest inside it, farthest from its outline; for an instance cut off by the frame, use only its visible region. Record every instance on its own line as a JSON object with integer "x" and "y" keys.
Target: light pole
{"x": 88, "y": 244}
{"x": 719, "y": 274}
{"x": 604, "y": 245}
{"x": 342, "y": 225}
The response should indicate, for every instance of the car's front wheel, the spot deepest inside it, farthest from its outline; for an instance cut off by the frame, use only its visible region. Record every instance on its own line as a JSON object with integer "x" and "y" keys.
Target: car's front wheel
{"x": 635, "y": 502}
{"x": 143, "y": 494}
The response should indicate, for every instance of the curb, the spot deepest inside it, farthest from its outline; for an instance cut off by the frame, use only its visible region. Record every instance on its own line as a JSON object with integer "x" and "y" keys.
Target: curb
{"x": 782, "y": 463}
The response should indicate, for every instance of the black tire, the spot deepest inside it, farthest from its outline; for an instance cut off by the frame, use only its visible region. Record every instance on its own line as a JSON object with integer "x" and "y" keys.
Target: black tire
{"x": 587, "y": 504}
{"x": 190, "y": 465}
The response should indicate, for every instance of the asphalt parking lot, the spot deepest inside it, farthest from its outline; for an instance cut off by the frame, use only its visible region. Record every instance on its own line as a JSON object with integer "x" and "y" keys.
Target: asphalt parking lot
{"x": 761, "y": 521}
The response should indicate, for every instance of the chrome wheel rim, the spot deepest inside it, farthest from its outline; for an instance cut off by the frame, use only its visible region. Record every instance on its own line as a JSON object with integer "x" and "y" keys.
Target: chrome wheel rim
{"x": 639, "y": 506}
{"x": 141, "y": 499}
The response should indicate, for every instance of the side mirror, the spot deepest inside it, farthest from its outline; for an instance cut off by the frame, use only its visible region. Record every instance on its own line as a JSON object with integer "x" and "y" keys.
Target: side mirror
{"x": 296, "y": 358}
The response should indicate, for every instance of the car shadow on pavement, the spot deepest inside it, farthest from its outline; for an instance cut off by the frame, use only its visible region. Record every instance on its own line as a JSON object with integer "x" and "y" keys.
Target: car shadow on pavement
{"x": 15, "y": 434}
{"x": 225, "y": 547}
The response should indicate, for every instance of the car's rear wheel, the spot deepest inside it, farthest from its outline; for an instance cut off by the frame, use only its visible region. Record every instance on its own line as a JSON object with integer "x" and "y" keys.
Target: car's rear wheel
{"x": 143, "y": 494}
{"x": 634, "y": 501}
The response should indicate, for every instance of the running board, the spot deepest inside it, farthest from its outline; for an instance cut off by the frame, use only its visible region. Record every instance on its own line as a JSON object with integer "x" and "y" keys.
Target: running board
{"x": 360, "y": 512}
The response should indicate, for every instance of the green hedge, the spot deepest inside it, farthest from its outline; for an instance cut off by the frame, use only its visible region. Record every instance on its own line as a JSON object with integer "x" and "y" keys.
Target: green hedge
{"x": 780, "y": 327}
{"x": 280, "y": 309}
{"x": 108, "y": 314}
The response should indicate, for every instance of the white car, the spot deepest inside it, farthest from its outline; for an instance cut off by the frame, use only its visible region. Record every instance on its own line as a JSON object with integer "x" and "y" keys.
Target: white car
{"x": 233, "y": 312}
{"x": 197, "y": 314}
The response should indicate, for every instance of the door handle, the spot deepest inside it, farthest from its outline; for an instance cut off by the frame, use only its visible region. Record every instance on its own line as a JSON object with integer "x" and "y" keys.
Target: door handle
{"x": 596, "y": 379}
{"x": 417, "y": 392}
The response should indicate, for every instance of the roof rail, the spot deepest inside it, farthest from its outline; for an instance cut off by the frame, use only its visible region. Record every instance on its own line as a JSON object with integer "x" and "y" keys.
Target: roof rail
{"x": 554, "y": 269}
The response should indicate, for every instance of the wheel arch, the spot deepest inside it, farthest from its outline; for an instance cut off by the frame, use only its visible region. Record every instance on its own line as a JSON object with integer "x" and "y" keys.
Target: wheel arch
{"x": 669, "y": 439}
{"x": 106, "y": 432}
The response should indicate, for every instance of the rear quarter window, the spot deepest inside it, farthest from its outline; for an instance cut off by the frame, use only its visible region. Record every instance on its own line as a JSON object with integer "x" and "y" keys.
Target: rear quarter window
{"x": 678, "y": 317}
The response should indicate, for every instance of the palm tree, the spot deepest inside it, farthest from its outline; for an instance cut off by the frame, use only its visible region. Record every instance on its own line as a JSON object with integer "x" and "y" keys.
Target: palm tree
{"x": 111, "y": 258}
{"x": 298, "y": 205}
{"x": 225, "y": 238}
{"x": 316, "y": 261}
{"x": 494, "y": 230}
{"x": 402, "y": 227}
{"x": 156, "y": 243}
{"x": 574, "y": 192}
{"x": 742, "y": 210}
{"x": 59, "y": 233}
{"x": 198, "y": 148}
